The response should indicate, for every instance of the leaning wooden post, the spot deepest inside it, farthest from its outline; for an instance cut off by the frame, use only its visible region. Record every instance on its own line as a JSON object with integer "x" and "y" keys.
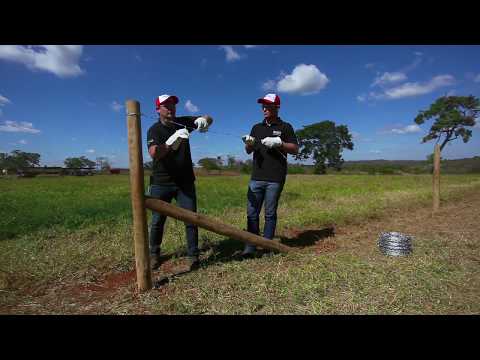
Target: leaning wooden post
{"x": 436, "y": 178}
{"x": 211, "y": 224}
{"x": 137, "y": 188}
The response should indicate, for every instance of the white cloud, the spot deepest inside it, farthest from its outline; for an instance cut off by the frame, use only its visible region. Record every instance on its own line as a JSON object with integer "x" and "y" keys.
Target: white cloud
{"x": 90, "y": 151}
{"x": 477, "y": 78}
{"x": 250, "y": 46}
{"x": 407, "y": 129}
{"x": 138, "y": 58}
{"x": 369, "y": 66}
{"x": 409, "y": 89}
{"x": 375, "y": 151}
{"x": 361, "y": 98}
{"x": 13, "y": 126}
{"x": 304, "y": 79}
{"x": 4, "y": 101}
{"x": 230, "y": 54}
{"x": 191, "y": 107}
{"x": 61, "y": 60}
{"x": 416, "y": 62}
{"x": 416, "y": 88}
{"x": 23, "y": 142}
{"x": 418, "y": 53}
{"x": 389, "y": 78}
{"x": 269, "y": 85}
{"x": 116, "y": 106}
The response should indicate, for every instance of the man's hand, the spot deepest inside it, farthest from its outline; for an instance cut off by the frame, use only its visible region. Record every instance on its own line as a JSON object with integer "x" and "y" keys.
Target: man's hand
{"x": 271, "y": 142}
{"x": 202, "y": 124}
{"x": 248, "y": 140}
{"x": 175, "y": 140}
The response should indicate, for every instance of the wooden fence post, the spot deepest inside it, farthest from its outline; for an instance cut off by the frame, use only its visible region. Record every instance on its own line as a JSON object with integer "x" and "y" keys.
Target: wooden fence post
{"x": 436, "y": 178}
{"x": 137, "y": 188}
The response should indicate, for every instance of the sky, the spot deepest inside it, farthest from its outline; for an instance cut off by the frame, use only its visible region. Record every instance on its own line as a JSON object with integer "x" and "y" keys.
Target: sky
{"x": 69, "y": 100}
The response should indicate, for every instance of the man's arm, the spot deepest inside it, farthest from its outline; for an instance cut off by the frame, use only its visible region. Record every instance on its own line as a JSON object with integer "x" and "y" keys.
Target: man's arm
{"x": 290, "y": 148}
{"x": 158, "y": 151}
{"x": 290, "y": 145}
{"x": 189, "y": 121}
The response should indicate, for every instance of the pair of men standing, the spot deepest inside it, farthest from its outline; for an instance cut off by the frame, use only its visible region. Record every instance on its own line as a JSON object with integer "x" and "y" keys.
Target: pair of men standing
{"x": 173, "y": 176}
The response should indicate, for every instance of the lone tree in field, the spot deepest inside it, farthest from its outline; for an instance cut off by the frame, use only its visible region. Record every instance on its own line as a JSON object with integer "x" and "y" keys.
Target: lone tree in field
{"x": 451, "y": 114}
{"x": 324, "y": 141}
{"x": 79, "y": 162}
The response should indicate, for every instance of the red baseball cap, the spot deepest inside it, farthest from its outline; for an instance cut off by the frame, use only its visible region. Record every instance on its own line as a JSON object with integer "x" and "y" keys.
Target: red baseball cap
{"x": 165, "y": 98}
{"x": 270, "y": 99}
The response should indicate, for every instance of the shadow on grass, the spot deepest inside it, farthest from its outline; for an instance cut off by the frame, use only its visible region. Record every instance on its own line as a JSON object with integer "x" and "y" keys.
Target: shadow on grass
{"x": 230, "y": 249}
{"x": 307, "y": 237}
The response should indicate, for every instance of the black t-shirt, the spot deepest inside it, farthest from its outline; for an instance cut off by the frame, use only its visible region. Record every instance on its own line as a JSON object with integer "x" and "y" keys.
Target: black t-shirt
{"x": 270, "y": 164}
{"x": 176, "y": 167}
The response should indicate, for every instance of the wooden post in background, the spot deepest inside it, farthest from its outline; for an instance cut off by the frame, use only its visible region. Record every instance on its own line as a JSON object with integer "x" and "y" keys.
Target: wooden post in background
{"x": 137, "y": 188}
{"x": 436, "y": 178}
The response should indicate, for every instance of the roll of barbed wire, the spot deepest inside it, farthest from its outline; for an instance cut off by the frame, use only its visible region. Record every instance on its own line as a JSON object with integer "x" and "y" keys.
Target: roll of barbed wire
{"x": 395, "y": 244}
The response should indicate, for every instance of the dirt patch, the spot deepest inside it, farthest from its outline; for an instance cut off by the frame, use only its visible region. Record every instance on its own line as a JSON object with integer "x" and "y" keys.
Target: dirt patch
{"x": 110, "y": 283}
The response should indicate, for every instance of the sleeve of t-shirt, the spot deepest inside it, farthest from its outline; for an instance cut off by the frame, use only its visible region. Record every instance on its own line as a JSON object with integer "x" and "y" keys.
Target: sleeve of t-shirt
{"x": 253, "y": 133}
{"x": 153, "y": 137}
{"x": 290, "y": 136}
{"x": 188, "y": 121}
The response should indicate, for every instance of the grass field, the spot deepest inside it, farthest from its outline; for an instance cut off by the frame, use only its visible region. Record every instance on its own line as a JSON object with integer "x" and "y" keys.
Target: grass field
{"x": 73, "y": 231}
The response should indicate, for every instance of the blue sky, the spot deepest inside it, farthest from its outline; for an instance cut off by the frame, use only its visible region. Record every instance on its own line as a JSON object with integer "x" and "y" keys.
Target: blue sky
{"x": 64, "y": 101}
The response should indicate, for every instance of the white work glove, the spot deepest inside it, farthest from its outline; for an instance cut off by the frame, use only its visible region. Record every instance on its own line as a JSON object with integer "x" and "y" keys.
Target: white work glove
{"x": 178, "y": 136}
{"x": 271, "y": 142}
{"x": 202, "y": 124}
{"x": 248, "y": 140}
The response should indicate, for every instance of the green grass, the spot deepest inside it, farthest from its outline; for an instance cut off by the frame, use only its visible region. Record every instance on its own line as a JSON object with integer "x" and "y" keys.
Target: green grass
{"x": 73, "y": 203}
{"x": 75, "y": 228}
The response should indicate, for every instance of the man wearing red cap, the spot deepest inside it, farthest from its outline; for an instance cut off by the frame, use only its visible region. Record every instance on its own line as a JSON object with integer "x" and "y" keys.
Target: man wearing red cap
{"x": 172, "y": 175}
{"x": 270, "y": 141}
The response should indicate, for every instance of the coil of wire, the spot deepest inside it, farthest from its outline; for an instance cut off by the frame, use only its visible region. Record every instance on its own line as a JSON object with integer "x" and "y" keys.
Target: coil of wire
{"x": 395, "y": 244}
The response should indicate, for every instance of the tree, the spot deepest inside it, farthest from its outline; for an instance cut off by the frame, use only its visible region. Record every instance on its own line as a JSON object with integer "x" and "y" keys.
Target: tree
{"x": 103, "y": 163}
{"x": 231, "y": 162}
{"x": 79, "y": 162}
{"x": 210, "y": 163}
{"x": 19, "y": 160}
{"x": 325, "y": 143}
{"x": 451, "y": 114}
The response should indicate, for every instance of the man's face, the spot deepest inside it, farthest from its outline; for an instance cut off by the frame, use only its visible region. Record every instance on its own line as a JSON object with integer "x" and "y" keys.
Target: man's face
{"x": 167, "y": 110}
{"x": 270, "y": 111}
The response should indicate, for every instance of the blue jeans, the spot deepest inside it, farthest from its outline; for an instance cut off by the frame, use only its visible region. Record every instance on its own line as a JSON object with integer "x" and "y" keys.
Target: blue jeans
{"x": 186, "y": 198}
{"x": 258, "y": 192}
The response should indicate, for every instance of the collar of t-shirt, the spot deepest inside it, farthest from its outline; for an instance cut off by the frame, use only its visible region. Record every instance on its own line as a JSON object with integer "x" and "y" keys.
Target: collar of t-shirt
{"x": 276, "y": 123}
